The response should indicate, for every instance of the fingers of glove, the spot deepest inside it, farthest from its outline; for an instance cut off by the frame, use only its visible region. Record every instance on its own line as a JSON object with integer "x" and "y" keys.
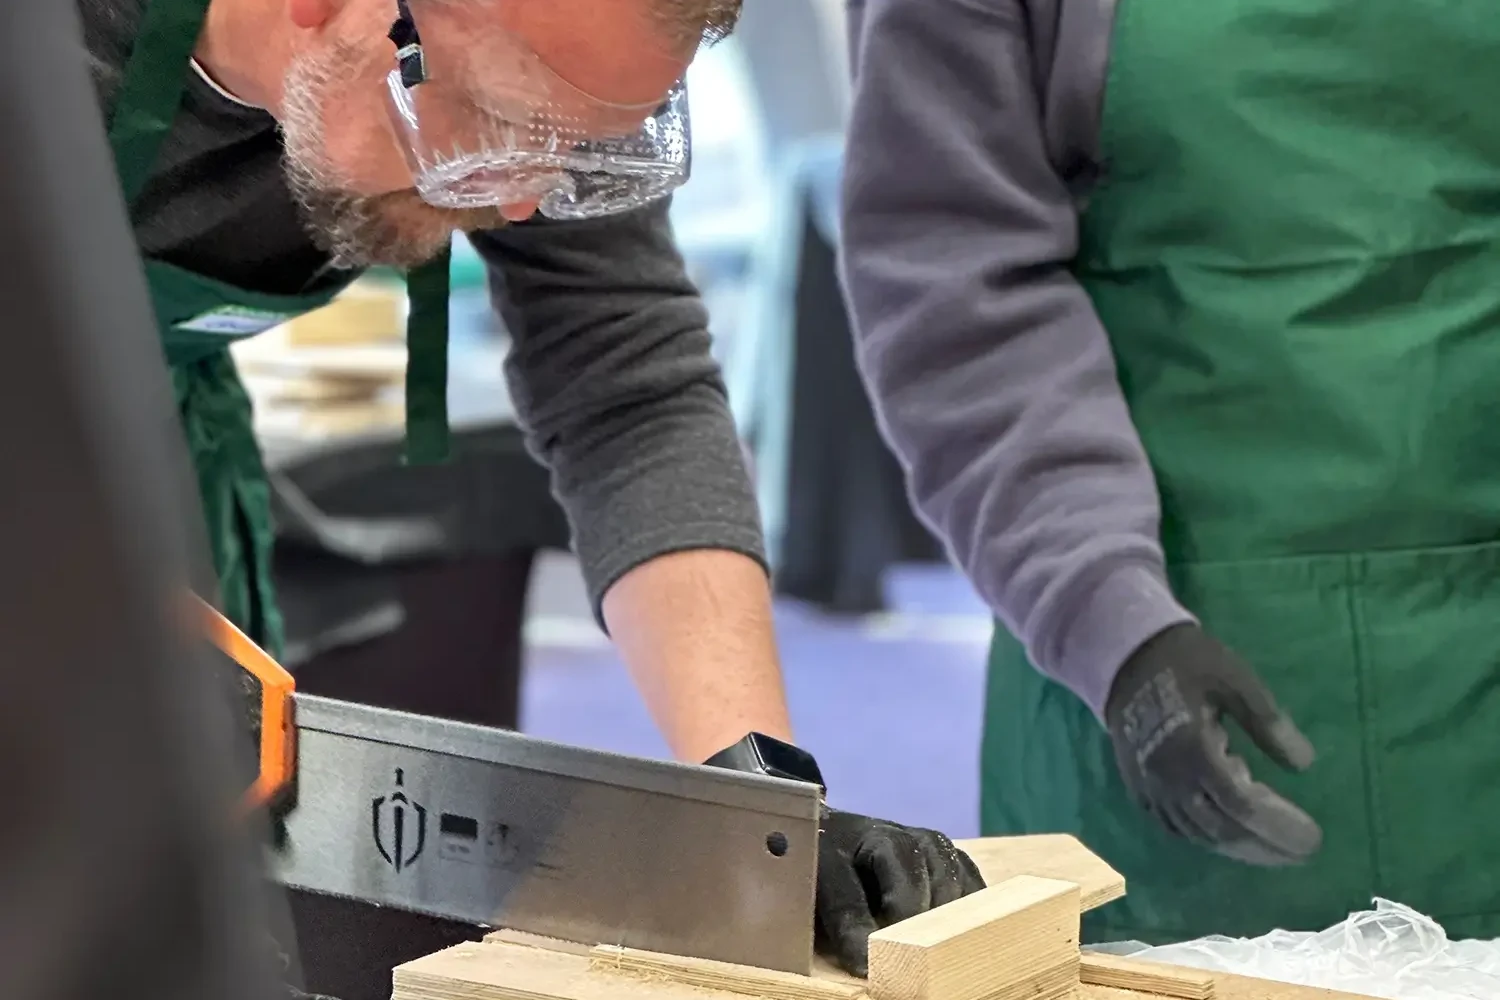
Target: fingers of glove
{"x": 1205, "y": 794}
{"x": 843, "y": 912}
{"x": 952, "y": 873}
{"x": 1186, "y": 820}
{"x": 1199, "y": 821}
{"x": 1247, "y": 699}
{"x": 1237, "y": 809}
{"x": 1254, "y": 852}
{"x": 1164, "y": 812}
{"x": 898, "y": 868}
{"x": 1284, "y": 743}
{"x": 1280, "y": 824}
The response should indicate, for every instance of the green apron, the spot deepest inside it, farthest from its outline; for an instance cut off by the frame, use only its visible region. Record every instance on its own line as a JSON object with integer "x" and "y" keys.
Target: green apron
{"x": 1296, "y": 253}
{"x": 199, "y": 318}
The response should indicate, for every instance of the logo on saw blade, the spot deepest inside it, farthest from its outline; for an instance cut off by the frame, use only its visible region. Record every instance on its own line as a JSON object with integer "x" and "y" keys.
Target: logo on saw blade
{"x": 400, "y": 826}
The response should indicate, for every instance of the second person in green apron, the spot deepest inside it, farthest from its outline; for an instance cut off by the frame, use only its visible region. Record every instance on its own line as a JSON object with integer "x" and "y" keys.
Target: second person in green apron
{"x": 1185, "y": 321}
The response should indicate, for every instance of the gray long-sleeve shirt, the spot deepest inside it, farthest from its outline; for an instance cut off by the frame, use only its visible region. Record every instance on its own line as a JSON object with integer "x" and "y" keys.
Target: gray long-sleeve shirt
{"x": 610, "y": 366}
{"x": 972, "y": 143}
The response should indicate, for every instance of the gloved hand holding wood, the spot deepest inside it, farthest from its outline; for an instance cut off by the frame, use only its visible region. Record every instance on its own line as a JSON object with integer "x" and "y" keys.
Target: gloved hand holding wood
{"x": 872, "y": 873}
{"x": 1165, "y": 718}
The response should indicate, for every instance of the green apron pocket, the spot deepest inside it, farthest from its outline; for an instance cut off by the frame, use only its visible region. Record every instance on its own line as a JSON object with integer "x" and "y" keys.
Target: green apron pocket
{"x": 1048, "y": 765}
{"x": 1429, "y": 631}
{"x": 1292, "y": 620}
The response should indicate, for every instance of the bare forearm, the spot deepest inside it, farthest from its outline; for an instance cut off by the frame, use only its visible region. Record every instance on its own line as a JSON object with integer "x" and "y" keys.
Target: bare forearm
{"x": 613, "y": 377}
{"x": 695, "y": 631}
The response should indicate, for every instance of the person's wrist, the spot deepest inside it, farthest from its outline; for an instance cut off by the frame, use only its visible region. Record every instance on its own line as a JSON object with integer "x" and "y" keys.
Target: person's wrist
{"x": 1145, "y": 662}
{"x": 1104, "y": 627}
{"x": 758, "y": 753}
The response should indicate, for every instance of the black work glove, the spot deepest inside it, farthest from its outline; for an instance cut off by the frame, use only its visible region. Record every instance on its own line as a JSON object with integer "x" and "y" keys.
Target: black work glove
{"x": 872, "y": 873}
{"x": 1164, "y": 716}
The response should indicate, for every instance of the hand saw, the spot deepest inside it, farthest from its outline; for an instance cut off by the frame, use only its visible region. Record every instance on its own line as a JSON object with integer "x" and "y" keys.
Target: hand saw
{"x": 498, "y": 829}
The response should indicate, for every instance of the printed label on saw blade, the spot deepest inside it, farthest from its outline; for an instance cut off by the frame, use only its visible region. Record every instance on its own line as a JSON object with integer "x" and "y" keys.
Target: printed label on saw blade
{"x": 464, "y": 838}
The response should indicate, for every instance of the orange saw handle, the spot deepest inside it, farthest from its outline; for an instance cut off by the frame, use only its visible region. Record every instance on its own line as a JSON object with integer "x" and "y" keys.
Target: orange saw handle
{"x": 278, "y": 735}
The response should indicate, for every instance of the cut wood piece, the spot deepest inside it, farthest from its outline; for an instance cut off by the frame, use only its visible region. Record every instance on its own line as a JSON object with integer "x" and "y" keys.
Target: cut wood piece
{"x": 1146, "y": 977}
{"x": 507, "y": 936}
{"x": 1015, "y": 940}
{"x": 492, "y": 970}
{"x": 824, "y": 969}
{"x": 1228, "y": 987}
{"x": 741, "y": 979}
{"x": 1052, "y": 855}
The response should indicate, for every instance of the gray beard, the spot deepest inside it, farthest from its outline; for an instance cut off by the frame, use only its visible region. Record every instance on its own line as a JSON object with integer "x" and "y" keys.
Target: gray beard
{"x": 356, "y": 231}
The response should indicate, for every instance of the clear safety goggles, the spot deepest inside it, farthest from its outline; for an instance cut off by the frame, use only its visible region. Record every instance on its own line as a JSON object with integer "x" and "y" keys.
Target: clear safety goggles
{"x": 505, "y": 129}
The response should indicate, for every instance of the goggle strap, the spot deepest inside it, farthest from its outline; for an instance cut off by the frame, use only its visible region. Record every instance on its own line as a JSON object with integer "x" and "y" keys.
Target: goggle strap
{"x": 408, "y": 41}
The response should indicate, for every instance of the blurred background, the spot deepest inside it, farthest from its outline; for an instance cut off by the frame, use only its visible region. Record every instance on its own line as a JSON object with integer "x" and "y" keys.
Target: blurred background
{"x": 883, "y": 643}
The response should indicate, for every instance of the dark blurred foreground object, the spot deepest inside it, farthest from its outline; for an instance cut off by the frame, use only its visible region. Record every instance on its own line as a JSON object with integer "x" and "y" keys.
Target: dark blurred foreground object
{"x": 122, "y": 874}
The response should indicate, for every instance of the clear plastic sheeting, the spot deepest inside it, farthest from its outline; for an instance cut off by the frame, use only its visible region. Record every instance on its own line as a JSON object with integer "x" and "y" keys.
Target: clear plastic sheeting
{"x": 1391, "y": 952}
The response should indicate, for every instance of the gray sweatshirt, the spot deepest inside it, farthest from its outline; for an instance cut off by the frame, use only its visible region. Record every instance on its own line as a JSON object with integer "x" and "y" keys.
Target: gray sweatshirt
{"x": 610, "y": 368}
{"x": 972, "y": 147}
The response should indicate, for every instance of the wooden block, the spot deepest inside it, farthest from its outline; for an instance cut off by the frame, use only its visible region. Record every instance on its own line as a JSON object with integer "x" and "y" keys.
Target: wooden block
{"x": 1015, "y": 940}
{"x": 363, "y": 313}
{"x": 740, "y": 979}
{"x": 1058, "y": 856}
{"x": 1146, "y": 977}
{"x": 383, "y": 363}
{"x": 347, "y": 418}
{"x": 318, "y": 391}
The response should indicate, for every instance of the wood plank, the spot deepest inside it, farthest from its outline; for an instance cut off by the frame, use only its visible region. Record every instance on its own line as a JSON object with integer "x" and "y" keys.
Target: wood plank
{"x": 518, "y": 966}
{"x": 739, "y": 979}
{"x": 507, "y": 971}
{"x": 1229, "y": 987}
{"x": 490, "y": 970}
{"x": 507, "y": 936}
{"x": 1018, "y": 939}
{"x": 1146, "y": 977}
{"x": 1058, "y": 856}
{"x": 824, "y": 969}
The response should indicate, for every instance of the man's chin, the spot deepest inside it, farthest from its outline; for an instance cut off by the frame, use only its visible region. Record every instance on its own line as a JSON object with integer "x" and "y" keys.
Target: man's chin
{"x": 393, "y": 230}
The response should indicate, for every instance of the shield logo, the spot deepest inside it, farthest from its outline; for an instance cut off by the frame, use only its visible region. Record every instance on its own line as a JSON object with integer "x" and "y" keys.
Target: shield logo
{"x": 399, "y": 824}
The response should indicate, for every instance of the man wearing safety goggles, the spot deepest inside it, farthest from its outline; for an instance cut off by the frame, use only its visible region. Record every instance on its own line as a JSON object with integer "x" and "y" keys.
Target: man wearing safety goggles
{"x": 272, "y": 149}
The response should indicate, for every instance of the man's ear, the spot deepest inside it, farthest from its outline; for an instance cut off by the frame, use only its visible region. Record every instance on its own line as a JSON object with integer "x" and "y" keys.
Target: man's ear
{"x": 308, "y": 14}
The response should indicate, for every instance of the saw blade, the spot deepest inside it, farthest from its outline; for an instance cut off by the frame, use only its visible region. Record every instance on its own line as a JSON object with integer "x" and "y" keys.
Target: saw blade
{"x": 499, "y": 829}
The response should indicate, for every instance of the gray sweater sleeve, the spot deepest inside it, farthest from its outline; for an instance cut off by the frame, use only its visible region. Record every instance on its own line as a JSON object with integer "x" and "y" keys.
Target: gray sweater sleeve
{"x": 989, "y": 369}
{"x": 613, "y": 381}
